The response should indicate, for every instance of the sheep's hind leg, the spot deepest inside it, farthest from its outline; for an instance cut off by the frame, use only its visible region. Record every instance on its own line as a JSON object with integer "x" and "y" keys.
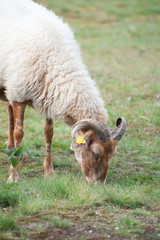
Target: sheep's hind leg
{"x": 10, "y": 143}
{"x": 47, "y": 165}
{"x": 17, "y": 114}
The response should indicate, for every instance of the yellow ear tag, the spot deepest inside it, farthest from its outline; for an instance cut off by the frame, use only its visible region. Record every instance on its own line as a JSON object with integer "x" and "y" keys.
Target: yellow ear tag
{"x": 80, "y": 140}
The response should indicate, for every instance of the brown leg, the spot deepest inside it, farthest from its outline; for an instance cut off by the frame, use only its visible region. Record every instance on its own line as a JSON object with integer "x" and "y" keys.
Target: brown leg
{"x": 10, "y": 144}
{"x": 47, "y": 165}
{"x": 18, "y": 113}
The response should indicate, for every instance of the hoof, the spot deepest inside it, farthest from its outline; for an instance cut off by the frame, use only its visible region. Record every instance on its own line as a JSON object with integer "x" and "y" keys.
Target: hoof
{"x": 49, "y": 174}
{"x": 48, "y": 171}
{"x": 13, "y": 175}
{"x": 11, "y": 180}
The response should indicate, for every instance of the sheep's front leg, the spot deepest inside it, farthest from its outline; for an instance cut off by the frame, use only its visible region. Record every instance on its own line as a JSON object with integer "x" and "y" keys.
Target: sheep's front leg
{"x": 47, "y": 165}
{"x": 18, "y": 114}
{"x": 10, "y": 144}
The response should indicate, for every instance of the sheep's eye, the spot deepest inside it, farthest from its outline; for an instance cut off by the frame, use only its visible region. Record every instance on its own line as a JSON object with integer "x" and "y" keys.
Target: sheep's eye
{"x": 95, "y": 155}
{"x": 110, "y": 151}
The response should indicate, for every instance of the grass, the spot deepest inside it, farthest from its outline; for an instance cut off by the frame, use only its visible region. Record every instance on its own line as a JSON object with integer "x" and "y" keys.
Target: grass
{"x": 58, "y": 222}
{"x": 120, "y": 45}
{"x": 9, "y": 196}
{"x": 129, "y": 225}
{"x": 7, "y": 222}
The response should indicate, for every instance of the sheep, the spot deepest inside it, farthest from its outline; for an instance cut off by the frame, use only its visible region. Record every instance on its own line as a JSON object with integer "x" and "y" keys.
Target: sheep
{"x": 41, "y": 66}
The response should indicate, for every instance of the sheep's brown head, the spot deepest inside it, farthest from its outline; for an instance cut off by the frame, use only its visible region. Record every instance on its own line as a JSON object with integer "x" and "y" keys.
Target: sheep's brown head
{"x": 94, "y": 146}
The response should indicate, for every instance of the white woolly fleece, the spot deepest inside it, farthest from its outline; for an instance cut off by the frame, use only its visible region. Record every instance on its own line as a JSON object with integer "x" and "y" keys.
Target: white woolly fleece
{"x": 40, "y": 61}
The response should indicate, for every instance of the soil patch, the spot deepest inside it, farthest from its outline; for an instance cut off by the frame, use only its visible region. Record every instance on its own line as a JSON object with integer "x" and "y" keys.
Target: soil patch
{"x": 86, "y": 224}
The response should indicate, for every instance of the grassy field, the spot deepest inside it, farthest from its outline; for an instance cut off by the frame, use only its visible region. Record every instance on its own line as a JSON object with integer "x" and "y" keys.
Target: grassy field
{"x": 120, "y": 42}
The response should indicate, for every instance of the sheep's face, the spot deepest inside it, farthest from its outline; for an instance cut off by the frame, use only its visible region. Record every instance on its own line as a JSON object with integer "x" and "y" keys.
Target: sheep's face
{"x": 95, "y": 147}
{"x": 93, "y": 155}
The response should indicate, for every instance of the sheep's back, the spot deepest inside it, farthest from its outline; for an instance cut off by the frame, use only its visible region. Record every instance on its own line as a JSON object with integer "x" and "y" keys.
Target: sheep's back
{"x": 40, "y": 61}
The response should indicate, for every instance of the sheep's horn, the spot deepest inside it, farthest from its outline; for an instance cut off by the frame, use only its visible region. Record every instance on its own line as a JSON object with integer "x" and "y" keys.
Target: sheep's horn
{"x": 101, "y": 131}
{"x": 120, "y": 129}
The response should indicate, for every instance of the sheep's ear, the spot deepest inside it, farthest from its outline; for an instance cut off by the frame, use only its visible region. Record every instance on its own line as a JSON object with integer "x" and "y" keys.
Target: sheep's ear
{"x": 76, "y": 146}
{"x": 82, "y": 141}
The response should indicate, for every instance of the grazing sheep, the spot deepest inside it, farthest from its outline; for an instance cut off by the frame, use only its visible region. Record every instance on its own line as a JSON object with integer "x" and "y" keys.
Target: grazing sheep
{"x": 41, "y": 66}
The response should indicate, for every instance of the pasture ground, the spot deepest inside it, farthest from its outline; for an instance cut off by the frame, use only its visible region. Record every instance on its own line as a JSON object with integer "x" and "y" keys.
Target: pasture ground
{"x": 120, "y": 42}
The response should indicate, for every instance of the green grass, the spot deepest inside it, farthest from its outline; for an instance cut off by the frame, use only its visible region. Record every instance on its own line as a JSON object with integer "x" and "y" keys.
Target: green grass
{"x": 9, "y": 196}
{"x": 7, "y": 222}
{"x": 129, "y": 225}
{"x": 120, "y": 45}
{"x": 58, "y": 222}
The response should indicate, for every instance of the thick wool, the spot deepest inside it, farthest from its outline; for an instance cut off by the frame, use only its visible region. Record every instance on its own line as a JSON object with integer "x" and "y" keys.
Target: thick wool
{"x": 40, "y": 62}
